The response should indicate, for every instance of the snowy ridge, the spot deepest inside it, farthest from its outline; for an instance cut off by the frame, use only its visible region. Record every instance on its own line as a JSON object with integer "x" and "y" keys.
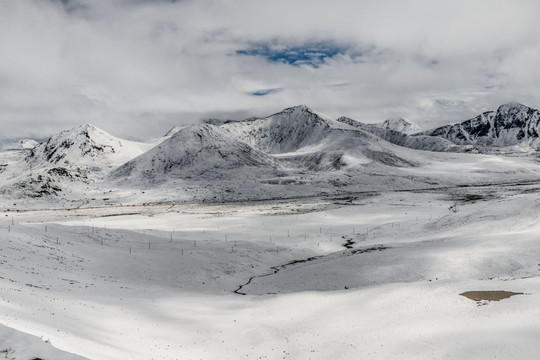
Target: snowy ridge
{"x": 193, "y": 151}
{"x": 85, "y": 146}
{"x": 17, "y": 144}
{"x": 401, "y": 125}
{"x": 315, "y": 142}
{"x": 286, "y": 131}
{"x": 173, "y": 130}
{"x": 417, "y": 142}
{"x": 512, "y": 124}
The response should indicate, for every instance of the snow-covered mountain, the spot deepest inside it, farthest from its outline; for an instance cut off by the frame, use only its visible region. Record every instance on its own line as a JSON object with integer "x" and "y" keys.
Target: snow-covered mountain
{"x": 67, "y": 162}
{"x": 85, "y": 147}
{"x": 17, "y": 144}
{"x": 191, "y": 152}
{"x": 314, "y": 141}
{"x": 296, "y": 152}
{"x": 417, "y": 141}
{"x": 512, "y": 124}
{"x": 284, "y": 132}
{"x": 401, "y": 125}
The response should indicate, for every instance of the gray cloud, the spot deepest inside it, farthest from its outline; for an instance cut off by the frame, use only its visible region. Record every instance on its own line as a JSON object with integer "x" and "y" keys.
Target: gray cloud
{"x": 136, "y": 68}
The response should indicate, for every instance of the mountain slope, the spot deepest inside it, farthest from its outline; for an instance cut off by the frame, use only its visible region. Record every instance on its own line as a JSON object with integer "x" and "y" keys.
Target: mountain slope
{"x": 86, "y": 147}
{"x": 67, "y": 163}
{"x": 191, "y": 152}
{"x": 399, "y": 124}
{"x": 512, "y": 124}
{"x": 417, "y": 142}
{"x": 286, "y": 131}
{"x": 314, "y": 141}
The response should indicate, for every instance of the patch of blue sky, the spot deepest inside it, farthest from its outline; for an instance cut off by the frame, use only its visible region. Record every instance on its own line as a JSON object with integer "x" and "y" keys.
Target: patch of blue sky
{"x": 264, "y": 92}
{"x": 312, "y": 54}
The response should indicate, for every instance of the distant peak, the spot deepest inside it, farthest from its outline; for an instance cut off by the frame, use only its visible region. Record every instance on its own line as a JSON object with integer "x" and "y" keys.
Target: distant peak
{"x": 400, "y": 124}
{"x": 512, "y": 105}
{"x": 299, "y": 112}
{"x": 87, "y": 127}
{"x": 396, "y": 119}
{"x": 298, "y": 108}
{"x": 200, "y": 130}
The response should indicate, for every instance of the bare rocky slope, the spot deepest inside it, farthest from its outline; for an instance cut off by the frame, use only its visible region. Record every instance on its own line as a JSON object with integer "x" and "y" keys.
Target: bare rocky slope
{"x": 511, "y": 124}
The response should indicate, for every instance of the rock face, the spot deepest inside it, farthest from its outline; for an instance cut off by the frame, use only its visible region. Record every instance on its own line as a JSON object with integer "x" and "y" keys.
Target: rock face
{"x": 194, "y": 151}
{"x": 512, "y": 124}
{"x": 399, "y": 124}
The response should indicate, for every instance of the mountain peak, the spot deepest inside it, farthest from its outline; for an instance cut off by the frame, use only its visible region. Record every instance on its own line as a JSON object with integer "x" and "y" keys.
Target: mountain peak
{"x": 86, "y": 128}
{"x": 300, "y": 107}
{"x": 285, "y": 131}
{"x": 302, "y": 112}
{"x": 512, "y": 107}
{"x": 400, "y": 124}
{"x": 512, "y": 124}
{"x": 512, "y": 104}
{"x": 84, "y": 146}
{"x": 197, "y": 149}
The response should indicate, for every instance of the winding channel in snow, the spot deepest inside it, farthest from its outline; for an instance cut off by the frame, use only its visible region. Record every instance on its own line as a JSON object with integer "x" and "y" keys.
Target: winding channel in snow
{"x": 278, "y": 268}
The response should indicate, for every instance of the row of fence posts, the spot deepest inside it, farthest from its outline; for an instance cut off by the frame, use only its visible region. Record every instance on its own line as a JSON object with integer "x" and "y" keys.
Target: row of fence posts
{"x": 226, "y": 235}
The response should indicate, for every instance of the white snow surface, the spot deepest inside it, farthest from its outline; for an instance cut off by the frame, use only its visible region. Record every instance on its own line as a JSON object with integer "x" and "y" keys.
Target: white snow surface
{"x": 399, "y": 124}
{"x": 157, "y": 281}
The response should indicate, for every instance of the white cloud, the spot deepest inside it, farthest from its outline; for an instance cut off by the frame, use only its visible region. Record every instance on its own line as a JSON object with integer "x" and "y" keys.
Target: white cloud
{"x": 135, "y": 68}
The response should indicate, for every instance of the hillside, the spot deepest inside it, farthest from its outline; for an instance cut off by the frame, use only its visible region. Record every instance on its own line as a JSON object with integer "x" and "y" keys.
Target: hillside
{"x": 416, "y": 141}
{"x": 511, "y": 124}
{"x": 192, "y": 152}
{"x": 86, "y": 147}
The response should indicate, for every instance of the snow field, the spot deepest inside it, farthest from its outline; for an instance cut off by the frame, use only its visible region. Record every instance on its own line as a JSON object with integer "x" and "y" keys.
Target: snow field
{"x": 102, "y": 302}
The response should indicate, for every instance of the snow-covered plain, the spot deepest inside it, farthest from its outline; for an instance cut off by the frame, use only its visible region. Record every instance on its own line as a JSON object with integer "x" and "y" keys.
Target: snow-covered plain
{"x": 159, "y": 281}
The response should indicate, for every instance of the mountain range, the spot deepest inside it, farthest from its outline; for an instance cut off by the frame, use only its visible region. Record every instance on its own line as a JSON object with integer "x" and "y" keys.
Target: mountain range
{"x": 259, "y": 157}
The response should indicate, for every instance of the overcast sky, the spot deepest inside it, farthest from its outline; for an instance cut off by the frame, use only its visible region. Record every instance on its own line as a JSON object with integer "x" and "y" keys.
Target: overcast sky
{"x": 135, "y": 68}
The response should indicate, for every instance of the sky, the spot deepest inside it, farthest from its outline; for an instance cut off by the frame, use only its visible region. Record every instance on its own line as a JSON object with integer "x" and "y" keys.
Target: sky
{"x": 136, "y": 68}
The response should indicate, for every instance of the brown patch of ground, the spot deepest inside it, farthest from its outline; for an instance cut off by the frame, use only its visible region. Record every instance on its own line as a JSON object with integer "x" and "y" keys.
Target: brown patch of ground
{"x": 489, "y": 295}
